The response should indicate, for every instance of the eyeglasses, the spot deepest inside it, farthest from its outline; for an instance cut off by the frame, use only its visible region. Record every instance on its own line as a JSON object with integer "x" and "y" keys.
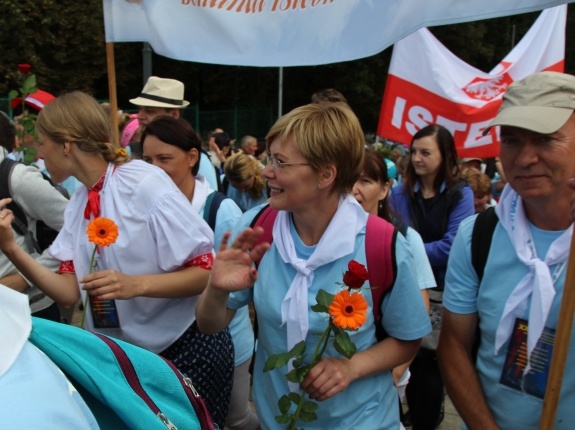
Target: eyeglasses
{"x": 277, "y": 164}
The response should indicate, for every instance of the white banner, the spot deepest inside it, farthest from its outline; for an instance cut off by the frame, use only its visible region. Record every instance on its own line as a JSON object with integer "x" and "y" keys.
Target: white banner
{"x": 288, "y": 32}
{"x": 435, "y": 86}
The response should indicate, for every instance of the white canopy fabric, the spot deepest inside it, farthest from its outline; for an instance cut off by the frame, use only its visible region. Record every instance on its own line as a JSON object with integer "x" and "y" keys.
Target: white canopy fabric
{"x": 276, "y": 33}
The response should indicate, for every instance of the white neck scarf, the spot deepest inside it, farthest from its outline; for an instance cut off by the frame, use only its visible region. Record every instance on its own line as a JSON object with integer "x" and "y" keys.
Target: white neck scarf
{"x": 338, "y": 240}
{"x": 201, "y": 192}
{"x": 538, "y": 283}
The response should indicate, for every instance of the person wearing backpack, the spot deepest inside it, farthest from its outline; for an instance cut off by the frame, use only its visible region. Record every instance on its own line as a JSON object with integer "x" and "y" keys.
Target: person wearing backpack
{"x": 174, "y": 146}
{"x": 315, "y": 155}
{"x": 38, "y": 201}
{"x": 143, "y": 288}
{"x": 505, "y": 299}
{"x": 433, "y": 200}
{"x": 372, "y": 191}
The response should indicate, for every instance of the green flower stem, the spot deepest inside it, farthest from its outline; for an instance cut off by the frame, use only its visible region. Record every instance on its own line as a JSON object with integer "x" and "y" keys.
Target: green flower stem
{"x": 316, "y": 356}
{"x": 87, "y": 297}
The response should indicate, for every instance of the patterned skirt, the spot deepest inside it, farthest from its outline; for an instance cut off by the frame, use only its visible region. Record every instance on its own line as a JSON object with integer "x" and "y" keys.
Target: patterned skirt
{"x": 208, "y": 360}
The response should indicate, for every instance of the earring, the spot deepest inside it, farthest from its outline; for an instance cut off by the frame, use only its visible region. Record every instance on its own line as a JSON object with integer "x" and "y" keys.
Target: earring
{"x": 65, "y": 153}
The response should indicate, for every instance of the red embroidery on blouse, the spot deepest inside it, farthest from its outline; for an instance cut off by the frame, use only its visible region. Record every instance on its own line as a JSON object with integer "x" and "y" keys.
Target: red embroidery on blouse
{"x": 204, "y": 261}
{"x": 66, "y": 267}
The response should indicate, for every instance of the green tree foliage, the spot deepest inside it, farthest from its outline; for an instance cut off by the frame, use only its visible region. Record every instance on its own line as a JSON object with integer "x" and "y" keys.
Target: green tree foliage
{"x": 64, "y": 42}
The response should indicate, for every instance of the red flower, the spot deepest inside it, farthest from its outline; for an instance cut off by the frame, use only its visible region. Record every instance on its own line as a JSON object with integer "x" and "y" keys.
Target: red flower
{"x": 356, "y": 275}
{"x": 24, "y": 68}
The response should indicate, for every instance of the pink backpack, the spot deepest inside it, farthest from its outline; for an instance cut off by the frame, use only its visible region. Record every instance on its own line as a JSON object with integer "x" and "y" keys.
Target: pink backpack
{"x": 379, "y": 249}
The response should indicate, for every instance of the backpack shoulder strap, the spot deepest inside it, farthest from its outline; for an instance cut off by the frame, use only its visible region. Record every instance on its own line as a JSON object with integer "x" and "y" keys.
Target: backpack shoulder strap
{"x": 481, "y": 237}
{"x": 380, "y": 240}
{"x": 265, "y": 218}
{"x": 20, "y": 224}
{"x": 211, "y": 208}
{"x": 225, "y": 185}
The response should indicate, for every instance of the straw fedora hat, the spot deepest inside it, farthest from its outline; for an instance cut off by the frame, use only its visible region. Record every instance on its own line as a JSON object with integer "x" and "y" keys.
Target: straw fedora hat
{"x": 161, "y": 92}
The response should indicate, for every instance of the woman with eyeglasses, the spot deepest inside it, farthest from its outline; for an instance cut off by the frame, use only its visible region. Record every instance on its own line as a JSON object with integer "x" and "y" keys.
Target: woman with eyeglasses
{"x": 315, "y": 155}
{"x": 244, "y": 182}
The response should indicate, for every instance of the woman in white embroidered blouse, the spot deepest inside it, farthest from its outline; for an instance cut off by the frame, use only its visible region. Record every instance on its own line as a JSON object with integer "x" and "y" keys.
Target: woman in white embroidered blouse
{"x": 152, "y": 275}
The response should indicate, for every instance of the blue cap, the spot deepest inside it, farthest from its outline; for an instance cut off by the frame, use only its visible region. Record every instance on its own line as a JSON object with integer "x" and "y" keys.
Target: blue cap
{"x": 391, "y": 169}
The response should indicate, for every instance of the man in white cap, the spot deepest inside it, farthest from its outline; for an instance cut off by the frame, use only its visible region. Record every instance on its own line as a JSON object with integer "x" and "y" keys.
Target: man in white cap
{"x": 513, "y": 305}
{"x": 161, "y": 97}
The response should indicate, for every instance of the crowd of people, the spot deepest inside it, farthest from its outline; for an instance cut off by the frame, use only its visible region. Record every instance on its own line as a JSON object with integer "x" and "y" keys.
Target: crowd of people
{"x": 479, "y": 253}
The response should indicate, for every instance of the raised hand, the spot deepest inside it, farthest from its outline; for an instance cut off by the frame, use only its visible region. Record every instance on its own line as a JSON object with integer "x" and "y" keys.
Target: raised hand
{"x": 233, "y": 268}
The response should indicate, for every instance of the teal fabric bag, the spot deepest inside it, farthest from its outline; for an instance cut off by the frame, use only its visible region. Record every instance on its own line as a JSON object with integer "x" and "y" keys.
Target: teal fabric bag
{"x": 125, "y": 386}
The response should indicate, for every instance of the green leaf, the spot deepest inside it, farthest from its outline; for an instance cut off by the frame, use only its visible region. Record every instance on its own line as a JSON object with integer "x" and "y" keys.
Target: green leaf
{"x": 284, "y": 404}
{"x": 297, "y": 375}
{"x": 298, "y": 361}
{"x": 29, "y": 126}
{"x": 29, "y": 86}
{"x": 294, "y": 397}
{"x": 298, "y": 349}
{"x": 276, "y": 361}
{"x": 309, "y": 407}
{"x": 282, "y": 419}
{"x": 13, "y": 94}
{"x": 323, "y": 298}
{"x": 307, "y": 417}
{"x": 320, "y": 309}
{"x": 344, "y": 345}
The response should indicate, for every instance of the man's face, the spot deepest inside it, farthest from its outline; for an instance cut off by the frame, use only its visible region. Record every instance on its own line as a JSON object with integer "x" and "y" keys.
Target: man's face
{"x": 147, "y": 114}
{"x": 251, "y": 147}
{"x": 538, "y": 166}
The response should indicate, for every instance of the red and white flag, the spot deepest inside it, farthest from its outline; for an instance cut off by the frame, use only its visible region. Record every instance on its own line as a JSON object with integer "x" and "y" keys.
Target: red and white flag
{"x": 428, "y": 84}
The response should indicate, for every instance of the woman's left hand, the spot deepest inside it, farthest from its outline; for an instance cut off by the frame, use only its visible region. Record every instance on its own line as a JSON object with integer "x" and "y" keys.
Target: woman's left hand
{"x": 6, "y": 219}
{"x": 327, "y": 378}
{"x": 110, "y": 285}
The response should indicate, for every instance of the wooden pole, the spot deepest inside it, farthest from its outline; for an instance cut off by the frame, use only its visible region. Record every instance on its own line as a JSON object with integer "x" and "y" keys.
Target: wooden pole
{"x": 560, "y": 346}
{"x": 112, "y": 92}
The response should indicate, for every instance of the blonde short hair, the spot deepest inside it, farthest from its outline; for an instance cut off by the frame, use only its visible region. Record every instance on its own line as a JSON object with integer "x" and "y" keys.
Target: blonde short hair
{"x": 326, "y": 134}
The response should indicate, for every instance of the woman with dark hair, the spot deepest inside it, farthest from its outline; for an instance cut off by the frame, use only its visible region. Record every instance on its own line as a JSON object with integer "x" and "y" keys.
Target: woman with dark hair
{"x": 174, "y": 146}
{"x": 433, "y": 200}
{"x": 372, "y": 192}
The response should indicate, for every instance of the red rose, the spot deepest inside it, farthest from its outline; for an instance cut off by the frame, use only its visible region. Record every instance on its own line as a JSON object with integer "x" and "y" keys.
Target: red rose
{"x": 356, "y": 275}
{"x": 24, "y": 68}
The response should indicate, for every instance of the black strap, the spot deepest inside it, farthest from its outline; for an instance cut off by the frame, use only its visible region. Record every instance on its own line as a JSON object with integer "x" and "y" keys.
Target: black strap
{"x": 211, "y": 208}
{"x": 225, "y": 185}
{"x": 481, "y": 239}
{"x": 20, "y": 224}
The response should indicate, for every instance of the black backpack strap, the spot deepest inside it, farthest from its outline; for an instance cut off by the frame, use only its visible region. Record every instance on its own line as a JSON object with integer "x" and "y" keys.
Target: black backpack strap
{"x": 211, "y": 208}
{"x": 481, "y": 239}
{"x": 20, "y": 224}
{"x": 225, "y": 185}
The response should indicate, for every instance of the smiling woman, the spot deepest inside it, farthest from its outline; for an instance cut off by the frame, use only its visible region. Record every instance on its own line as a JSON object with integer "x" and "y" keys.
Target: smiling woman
{"x": 316, "y": 154}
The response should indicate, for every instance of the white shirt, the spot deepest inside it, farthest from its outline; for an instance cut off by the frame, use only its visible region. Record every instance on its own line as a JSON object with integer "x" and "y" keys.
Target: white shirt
{"x": 159, "y": 231}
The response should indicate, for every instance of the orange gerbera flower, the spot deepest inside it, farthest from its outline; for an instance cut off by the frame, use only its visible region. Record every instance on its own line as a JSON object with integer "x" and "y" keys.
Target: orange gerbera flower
{"x": 349, "y": 311}
{"x": 102, "y": 231}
